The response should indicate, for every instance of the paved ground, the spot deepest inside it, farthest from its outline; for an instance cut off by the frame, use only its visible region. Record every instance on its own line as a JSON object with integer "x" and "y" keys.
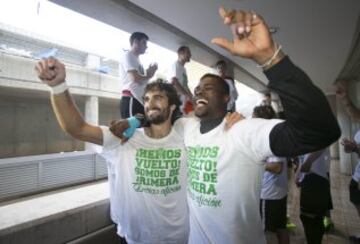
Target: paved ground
{"x": 344, "y": 215}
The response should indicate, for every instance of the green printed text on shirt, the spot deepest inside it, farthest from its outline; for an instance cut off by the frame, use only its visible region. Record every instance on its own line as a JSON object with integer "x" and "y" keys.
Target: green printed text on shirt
{"x": 202, "y": 175}
{"x": 157, "y": 171}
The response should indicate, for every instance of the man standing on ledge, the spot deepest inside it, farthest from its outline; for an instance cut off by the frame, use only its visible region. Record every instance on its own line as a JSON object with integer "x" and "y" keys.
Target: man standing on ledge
{"x": 133, "y": 77}
{"x": 178, "y": 76}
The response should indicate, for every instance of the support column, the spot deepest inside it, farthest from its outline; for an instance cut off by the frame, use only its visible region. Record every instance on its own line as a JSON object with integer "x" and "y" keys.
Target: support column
{"x": 345, "y": 125}
{"x": 92, "y": 117}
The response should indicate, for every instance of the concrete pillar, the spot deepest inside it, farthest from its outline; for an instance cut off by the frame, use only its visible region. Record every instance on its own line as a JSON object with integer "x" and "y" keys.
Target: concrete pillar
{"x": 334, "y": 148}
{"x": 92, "y": 117}
{"x": 345, "y": 125}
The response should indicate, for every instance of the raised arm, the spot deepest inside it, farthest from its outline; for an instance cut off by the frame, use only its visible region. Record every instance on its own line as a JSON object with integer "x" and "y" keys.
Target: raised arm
{"x": 52, "y": 73}
{"x": 135, "y": 76}
{"x": 312, "y": 157}
{"x": 310, "y": 124}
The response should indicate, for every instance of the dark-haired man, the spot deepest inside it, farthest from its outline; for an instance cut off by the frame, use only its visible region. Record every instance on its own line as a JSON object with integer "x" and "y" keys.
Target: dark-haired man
{"x": 147, "y": 175}
{"x": 133, "y": 76}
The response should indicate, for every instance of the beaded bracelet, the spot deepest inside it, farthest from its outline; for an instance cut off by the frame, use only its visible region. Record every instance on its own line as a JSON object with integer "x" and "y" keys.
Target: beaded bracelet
{"x": 267, "y": 63}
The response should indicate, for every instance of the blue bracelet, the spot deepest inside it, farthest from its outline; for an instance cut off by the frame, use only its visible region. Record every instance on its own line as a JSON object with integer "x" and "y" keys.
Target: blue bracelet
{"x": 133, "y": 123}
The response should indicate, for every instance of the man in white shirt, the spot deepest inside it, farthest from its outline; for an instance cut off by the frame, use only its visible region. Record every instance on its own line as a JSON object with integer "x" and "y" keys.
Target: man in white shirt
{"x": 148, "y": 173}
{"x": 221, "y": 68}
{"x": 178, "y": 77}
{"x": 315, "y": 196}
{"x": 133, "y": 76}
{"x": 354, "y": 186}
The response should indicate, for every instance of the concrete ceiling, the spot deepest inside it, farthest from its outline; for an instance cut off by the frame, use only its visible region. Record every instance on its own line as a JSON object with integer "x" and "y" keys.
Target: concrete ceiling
{"x": 317, "y": 35}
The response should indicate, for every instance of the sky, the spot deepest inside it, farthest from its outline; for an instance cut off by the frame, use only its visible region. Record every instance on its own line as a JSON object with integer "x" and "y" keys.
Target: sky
{"x": 72, "y": 29}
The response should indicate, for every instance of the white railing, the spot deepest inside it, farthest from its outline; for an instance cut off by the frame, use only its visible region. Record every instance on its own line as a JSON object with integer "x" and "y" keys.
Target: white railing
{"x": 32, "y": 174}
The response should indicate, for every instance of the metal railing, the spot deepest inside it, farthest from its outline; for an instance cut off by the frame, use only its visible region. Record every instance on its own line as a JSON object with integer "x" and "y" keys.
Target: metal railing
{"x": 32, "y": 174}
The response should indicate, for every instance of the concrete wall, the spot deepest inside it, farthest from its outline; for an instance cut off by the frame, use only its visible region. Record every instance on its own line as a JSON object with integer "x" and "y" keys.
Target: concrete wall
{"x": 27, "y": 123}
{"x": 28, "y": 126}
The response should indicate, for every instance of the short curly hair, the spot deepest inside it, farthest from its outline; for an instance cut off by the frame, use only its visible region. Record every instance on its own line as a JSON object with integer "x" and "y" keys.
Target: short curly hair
{"x": 264, "y": 112}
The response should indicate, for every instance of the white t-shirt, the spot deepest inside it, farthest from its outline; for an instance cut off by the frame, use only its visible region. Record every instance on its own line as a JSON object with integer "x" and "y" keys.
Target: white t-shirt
{"x": 356, "y": 174}
{"x": 224, "y": 180}
{"x": 321, "y": 166}
{"x": 128, "y": 61}
{"x": 178, "y": 70}
{"x": 232, "y": 92}
{"x": 274, "y": 186}
{"x": 149, "y": 187}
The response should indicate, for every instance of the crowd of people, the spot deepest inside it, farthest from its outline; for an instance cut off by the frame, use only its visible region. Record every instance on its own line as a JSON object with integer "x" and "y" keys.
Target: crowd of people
{"x": 210, "y": 177}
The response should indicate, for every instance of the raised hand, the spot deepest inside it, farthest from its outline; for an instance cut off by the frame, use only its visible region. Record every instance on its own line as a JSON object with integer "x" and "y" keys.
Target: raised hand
{"x": 150, "y": 71}
{"x": 349, "y": 145}
{"x": 340, "y": 89}
{"x": 232, "y": 118}
{"x": 251, "y": 36}
{"x": 51, "y": 71}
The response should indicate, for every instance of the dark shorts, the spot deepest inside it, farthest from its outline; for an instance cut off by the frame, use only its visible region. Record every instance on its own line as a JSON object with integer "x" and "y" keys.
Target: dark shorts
{"x": 315, "y": 197}
{"x": 129, "y": 106}
{"x": 354, "y": 192}
{"x": 273, "y": 214}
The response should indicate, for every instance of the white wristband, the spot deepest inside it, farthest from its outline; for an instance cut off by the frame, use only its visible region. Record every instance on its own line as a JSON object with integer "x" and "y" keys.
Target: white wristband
{"x": 60, "y": 88}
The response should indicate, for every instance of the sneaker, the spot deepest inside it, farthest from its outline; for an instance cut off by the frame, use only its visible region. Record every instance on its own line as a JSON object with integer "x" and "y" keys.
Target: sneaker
{"x": 328, "y": 224}
{"x": 290, "y": 225}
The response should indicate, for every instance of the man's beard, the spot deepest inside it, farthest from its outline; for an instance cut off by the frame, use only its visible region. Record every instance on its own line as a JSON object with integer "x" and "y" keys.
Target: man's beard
{"x": 158, "y": 118}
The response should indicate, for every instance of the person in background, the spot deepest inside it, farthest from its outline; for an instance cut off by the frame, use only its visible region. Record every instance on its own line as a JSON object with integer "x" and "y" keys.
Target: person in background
{"x": 315, "y": 196}
{"x": 221, "y": 68}
{"x": 351, "y": 146}
{"x": 178, "y": 77}
{"x": 273, "y": 199}
{"x": 133, "y": 76}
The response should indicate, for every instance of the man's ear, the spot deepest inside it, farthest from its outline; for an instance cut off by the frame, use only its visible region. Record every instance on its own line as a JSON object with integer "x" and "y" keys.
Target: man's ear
{"x": 172, "y": 108}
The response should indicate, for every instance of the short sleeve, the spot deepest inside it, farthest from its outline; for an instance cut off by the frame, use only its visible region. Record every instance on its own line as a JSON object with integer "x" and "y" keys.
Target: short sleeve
{"x": 130, "y": 62}
{"x": 172, "y": 72}
{"x": 110, "y": 144}
{"x": 253, "y": 136}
